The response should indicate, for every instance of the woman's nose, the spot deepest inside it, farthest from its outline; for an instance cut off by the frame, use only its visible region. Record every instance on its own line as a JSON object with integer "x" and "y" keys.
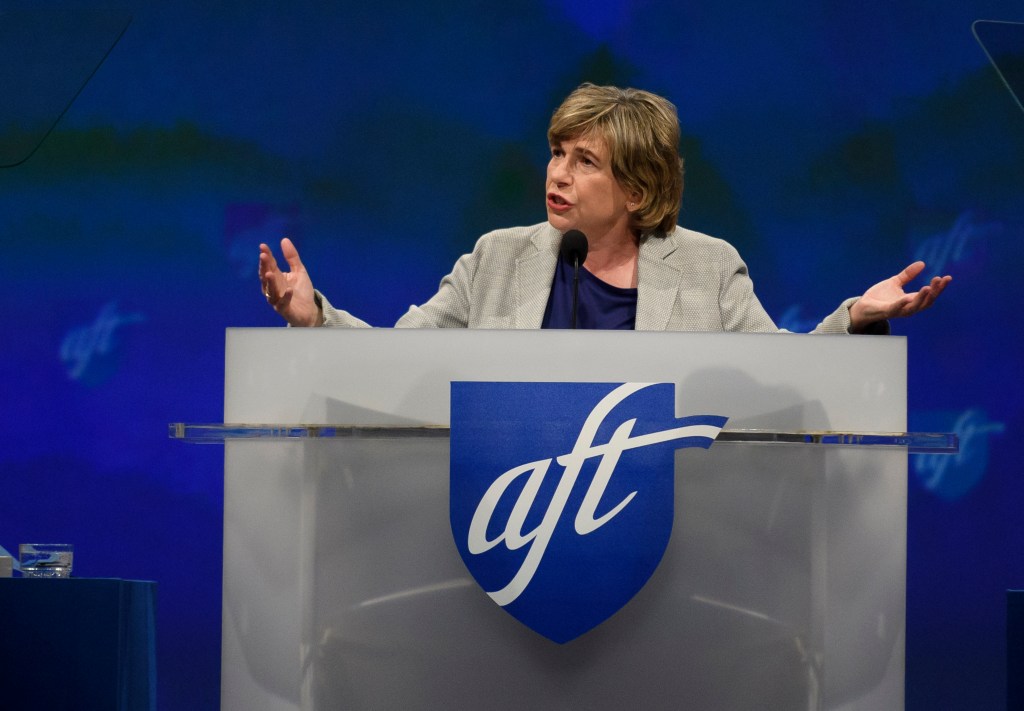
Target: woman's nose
{"x": 559, "y": 172}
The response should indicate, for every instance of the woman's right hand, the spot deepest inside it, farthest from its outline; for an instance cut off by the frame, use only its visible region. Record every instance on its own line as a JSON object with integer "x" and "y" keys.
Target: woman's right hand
{"x": 289, "y": 293}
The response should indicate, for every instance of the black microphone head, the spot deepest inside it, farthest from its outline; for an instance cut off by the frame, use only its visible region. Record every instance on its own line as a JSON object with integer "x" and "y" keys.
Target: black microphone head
{"x": 574, "y": 246}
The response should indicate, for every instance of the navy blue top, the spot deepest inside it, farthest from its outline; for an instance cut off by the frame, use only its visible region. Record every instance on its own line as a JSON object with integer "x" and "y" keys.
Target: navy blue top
{"x": 601, "y": 305}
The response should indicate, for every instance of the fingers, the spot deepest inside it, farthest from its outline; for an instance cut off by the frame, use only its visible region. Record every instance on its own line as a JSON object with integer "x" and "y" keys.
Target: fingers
{"x": 286, "y": 291}
{"x": 910, "y": 273}
{"x": 887, "y": 299}
{"x": 932, "y": 291}
{"x": 924, "y": 298}
{"x": 273, "y": 281}
{"x": 269, "y": 274}
{"x": 939, "y": 284}
{"x": 267, "y": 262}
{"x": 915, "y": 269}
{"x": 291, "y": 255}
{"x": 916, "y": 302}
{"x": 278, "y": 295}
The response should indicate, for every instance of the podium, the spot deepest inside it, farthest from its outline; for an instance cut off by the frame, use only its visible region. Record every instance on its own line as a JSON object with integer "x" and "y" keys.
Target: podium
{"x": 783, "y": 584}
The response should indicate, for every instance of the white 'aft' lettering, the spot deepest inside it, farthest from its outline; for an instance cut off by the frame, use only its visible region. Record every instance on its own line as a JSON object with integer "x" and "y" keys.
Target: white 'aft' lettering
{"x": 514, "y": 537}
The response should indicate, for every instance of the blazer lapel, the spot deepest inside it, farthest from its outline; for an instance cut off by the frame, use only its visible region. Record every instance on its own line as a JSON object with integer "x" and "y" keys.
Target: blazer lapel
{"x": 534, "y": 274}
{"x": 658, "y": 283}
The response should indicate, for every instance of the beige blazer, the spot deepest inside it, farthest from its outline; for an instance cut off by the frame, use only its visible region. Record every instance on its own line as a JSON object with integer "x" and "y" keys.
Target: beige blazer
{"x": 687, "y": 281}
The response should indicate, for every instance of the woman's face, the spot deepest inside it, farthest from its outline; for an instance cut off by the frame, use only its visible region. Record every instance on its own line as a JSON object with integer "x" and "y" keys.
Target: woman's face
{"x": 582, "y": 193}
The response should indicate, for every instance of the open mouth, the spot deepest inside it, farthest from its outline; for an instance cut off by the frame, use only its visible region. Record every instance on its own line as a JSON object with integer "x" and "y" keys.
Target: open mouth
{"x": 557, "y": 201}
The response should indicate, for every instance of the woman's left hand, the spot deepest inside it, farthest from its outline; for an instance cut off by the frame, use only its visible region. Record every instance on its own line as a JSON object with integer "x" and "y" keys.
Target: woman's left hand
{"x": 886, "y": 299}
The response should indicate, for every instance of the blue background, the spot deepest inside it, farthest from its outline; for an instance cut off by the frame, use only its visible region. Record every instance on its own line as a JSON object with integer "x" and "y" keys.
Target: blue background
{"x": 832, "y": 142}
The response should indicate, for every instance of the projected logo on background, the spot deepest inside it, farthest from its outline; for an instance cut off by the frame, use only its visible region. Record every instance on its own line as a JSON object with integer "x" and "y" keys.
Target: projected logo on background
{"x": 562, "y": 493}
{"x": 90, "y": 352}
{"x": 953, "y": 477}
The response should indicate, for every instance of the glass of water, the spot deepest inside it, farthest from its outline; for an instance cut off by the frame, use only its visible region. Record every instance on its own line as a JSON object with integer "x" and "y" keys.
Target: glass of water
{"x": 46, "y": 560}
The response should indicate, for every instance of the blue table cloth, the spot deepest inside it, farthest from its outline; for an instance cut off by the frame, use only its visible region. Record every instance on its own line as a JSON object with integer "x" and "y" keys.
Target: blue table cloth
{"x": 1015, "y": 650}
{"x": 77, "y": 643}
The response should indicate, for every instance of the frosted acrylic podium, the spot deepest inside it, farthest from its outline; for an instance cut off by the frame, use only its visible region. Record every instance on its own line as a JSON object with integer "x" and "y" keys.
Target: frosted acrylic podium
{"x": 782, "y": 587}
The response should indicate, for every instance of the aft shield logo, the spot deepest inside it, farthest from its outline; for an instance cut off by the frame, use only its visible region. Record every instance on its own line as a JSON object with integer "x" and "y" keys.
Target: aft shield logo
{"x": 562, "y": 493}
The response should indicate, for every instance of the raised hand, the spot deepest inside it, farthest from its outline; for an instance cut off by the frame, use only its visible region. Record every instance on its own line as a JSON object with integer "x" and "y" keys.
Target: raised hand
{"x": 887, "y": 299}
{"x": 290, "y": 293}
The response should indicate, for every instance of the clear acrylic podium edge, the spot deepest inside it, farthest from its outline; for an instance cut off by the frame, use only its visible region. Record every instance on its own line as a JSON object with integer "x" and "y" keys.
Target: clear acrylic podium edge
{"x": 214, "y": 433}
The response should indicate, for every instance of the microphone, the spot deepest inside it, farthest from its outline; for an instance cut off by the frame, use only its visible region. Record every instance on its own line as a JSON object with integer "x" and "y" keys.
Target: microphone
{"x": 574, "y": 247}
{"x": 574, "y": 250}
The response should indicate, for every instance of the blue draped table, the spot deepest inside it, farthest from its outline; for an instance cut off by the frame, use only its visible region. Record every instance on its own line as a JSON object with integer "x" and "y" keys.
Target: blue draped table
{"x": 80, "y": 643}
{"x": 1015, "y": 650}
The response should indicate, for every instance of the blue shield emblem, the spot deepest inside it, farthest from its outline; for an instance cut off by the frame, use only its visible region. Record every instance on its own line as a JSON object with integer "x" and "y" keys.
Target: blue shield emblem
{"x": 562, "y": 493}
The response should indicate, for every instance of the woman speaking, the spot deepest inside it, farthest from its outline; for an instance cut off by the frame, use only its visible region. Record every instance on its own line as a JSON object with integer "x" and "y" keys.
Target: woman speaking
{"x": 615, "y": 176}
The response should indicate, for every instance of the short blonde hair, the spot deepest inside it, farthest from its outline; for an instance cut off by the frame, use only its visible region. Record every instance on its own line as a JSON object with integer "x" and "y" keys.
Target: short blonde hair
{"x": 641, "y": 131}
